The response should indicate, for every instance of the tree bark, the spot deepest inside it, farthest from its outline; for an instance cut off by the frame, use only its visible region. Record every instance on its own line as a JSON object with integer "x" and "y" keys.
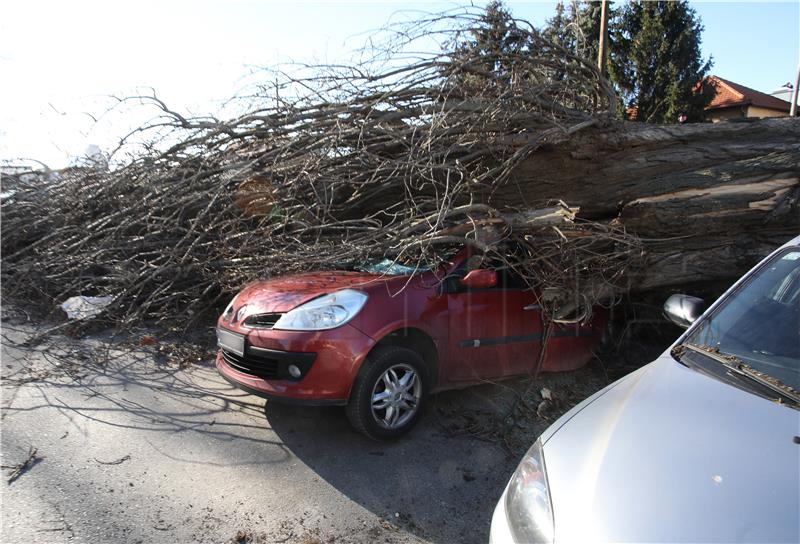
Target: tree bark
{"x": 708, "y": 200}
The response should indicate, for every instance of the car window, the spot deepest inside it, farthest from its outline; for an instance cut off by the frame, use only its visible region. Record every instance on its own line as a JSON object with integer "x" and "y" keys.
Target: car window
{"x": 760, "y": 322}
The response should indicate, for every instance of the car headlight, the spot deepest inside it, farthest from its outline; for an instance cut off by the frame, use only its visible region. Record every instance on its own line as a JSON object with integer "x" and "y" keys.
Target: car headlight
{"x": 528, "y": 507}
{"x": 228, "y": 313}
{"x": 326, "y": 312}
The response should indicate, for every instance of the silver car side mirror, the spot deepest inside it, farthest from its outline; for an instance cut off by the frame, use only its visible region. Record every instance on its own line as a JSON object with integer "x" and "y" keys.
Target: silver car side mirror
{"x": 683, "y": 310}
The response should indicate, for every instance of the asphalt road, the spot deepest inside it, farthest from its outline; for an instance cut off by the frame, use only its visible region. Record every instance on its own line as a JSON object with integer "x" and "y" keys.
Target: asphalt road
{"x": 133, "y": 448}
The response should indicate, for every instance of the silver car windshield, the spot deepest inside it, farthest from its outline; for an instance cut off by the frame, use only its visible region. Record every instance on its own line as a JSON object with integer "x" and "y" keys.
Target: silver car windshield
{"x": 760, "y": 322}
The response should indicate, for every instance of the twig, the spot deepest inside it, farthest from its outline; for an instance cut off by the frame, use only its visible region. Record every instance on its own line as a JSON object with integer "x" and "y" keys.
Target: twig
{"x": 117, "y": 462}
{"x": 20, "y": 468}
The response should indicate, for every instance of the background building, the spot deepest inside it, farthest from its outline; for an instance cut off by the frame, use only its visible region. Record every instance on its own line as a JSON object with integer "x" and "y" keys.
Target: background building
{"x": 734, "y": 101}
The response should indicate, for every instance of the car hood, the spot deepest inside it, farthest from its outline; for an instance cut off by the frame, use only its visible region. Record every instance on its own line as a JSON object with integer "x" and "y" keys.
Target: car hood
{"x": 673, "y": 455}
{"x": 280, "y": 295}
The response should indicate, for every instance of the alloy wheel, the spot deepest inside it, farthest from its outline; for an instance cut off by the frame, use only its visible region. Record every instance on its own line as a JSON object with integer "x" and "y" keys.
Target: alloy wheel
{"x": 396, "y": 396}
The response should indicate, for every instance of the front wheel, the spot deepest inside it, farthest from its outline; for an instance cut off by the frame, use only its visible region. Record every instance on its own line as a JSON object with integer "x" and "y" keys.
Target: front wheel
{"x": 388, "y": 395}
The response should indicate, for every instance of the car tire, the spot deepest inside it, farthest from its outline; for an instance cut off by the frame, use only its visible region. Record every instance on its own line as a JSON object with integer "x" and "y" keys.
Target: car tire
{"x": 391, "y": 378}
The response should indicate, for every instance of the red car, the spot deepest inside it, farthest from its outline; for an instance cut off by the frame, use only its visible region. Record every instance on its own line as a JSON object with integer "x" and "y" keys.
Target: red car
{"x": 378, "y": 341}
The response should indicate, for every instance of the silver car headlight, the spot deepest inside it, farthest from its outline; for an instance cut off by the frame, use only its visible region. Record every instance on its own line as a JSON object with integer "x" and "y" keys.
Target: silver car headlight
{"x": 326, "y": 312}
{"x": 528, "y": 507}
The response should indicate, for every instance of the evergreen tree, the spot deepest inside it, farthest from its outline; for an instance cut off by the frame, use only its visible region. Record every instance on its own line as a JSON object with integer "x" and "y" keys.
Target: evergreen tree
{"x": 488, "y": 48}
{"x": 655, "y": 61}
{"x": 558, "y": 28}
{"x": 577, "y": 27}
{"x": 587, "y": 24}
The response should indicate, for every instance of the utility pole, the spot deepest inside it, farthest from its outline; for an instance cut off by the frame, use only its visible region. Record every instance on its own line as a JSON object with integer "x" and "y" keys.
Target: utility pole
{"x": 793, "y": 108}
{"x": 601, "y": 49}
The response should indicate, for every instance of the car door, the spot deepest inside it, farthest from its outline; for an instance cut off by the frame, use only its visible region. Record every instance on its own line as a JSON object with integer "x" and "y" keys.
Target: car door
{"x": 493, "y": 332}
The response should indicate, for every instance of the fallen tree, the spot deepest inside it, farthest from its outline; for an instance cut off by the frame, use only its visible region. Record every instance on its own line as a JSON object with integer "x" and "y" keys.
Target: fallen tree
{"x": 514, "y": 152}
{"x": 708, "y": 200}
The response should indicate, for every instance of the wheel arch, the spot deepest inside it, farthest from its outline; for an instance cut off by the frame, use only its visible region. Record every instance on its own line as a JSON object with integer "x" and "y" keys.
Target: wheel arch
{"x": 418, "y": 340}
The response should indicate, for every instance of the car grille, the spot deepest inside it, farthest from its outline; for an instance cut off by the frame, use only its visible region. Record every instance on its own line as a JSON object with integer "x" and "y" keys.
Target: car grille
{"x": 262, "y": 367}
{"x": 262, "y": 321}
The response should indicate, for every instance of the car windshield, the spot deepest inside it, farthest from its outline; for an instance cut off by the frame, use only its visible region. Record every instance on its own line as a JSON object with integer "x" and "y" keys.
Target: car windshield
{"x": 388, "y": 267}
{"x": 759, "y": 323}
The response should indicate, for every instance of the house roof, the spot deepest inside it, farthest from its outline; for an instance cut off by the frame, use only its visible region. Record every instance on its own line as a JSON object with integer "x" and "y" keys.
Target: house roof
{"x": 729, "y": 94}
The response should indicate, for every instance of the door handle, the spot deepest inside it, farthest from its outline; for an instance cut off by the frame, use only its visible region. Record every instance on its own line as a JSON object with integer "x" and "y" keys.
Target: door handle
{"x": 532, "y": 307}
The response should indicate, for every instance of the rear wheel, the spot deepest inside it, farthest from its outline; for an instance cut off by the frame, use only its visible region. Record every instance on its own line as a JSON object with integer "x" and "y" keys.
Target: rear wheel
{"x": 388, "y": 395}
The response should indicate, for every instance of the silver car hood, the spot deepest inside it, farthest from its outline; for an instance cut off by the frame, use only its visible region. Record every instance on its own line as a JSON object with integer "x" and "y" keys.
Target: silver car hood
{"x": 671, "y": 455}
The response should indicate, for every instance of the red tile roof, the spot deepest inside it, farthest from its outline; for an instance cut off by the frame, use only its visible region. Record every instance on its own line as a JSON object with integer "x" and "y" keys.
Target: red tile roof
{"x": 729, "y": 94}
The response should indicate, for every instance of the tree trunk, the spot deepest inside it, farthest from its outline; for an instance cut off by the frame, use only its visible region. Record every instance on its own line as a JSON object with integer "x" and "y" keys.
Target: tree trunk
{"x": 708, "y": 200}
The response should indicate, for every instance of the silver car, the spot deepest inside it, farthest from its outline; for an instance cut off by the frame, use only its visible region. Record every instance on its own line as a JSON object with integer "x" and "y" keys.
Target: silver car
{"x": 701, "y": 445}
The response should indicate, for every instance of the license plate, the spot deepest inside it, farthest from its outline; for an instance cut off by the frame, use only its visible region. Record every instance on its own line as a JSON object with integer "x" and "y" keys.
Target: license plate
{"x": 230, "y": 341}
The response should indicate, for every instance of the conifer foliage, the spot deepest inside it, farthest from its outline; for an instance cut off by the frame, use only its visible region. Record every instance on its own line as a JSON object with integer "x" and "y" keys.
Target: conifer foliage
{"x": 655, "y": 63}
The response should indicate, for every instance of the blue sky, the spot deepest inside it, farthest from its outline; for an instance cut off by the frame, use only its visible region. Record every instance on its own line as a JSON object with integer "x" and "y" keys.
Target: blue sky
{"x": 62, "y": 60}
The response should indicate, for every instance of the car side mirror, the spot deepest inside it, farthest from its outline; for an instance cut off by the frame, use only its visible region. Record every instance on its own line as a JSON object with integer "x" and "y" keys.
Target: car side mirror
{"x": 479, "y": 279}
{"x": 684, "y": 310}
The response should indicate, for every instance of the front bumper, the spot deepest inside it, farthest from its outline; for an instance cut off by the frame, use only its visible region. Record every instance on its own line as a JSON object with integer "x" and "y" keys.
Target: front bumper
{"x": 269, "y": 364}
{"x": 329, "y": 359}
{"x": 260, "y": 392}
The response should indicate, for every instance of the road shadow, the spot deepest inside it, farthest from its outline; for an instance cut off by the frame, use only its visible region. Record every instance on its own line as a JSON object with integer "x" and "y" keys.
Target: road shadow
{"x": 441, "y": 481}
{"x": 440, "y": 488}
